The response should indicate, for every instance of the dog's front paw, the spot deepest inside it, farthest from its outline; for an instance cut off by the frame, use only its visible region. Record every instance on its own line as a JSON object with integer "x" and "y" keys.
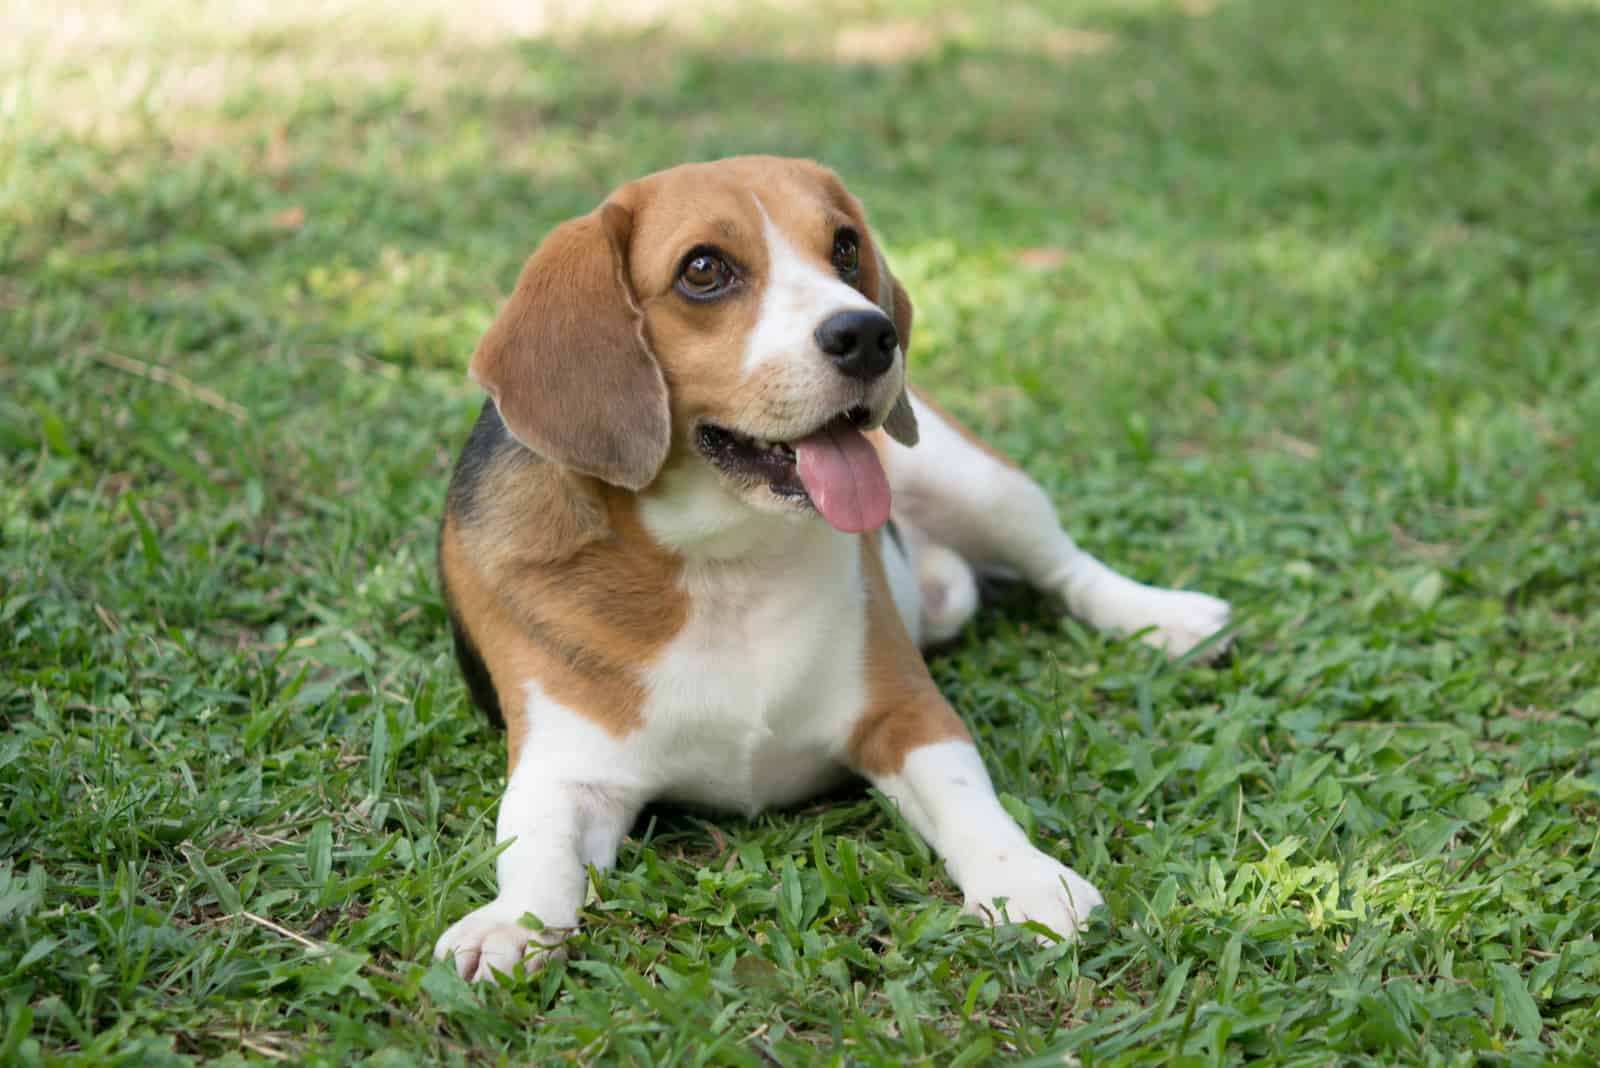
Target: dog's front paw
{"x": 1179, "y": 620}
{"x": 493, "y": 939}
{"x": 1020, "y": 885}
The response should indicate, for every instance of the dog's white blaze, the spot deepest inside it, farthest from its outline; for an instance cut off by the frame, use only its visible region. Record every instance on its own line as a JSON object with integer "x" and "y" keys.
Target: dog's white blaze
{"x": 799, "y": 295}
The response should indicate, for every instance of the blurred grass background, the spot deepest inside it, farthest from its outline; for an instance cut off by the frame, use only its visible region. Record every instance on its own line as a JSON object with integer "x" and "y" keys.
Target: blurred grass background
{"x": 1295, "y": 303}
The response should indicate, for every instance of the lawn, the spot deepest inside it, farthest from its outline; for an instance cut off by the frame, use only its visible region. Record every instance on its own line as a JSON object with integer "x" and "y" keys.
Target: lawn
{"x": 1298, "y": 304}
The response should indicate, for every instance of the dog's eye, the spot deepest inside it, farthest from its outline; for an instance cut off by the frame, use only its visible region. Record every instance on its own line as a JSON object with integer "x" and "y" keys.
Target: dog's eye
{"x": 846, "y": 254}
{"x": 704, "y": 275}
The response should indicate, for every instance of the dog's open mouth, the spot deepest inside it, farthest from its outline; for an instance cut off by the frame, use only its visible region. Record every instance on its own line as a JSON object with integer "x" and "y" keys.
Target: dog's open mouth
{"x": 834, "y": 467}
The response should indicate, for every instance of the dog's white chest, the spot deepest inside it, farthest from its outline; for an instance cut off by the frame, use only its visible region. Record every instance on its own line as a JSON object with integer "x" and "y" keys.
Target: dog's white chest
{"x": 753, "y": 701}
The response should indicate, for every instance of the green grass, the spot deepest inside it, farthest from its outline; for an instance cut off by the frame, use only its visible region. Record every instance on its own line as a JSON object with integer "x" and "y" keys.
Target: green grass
{"x": 1297, "y": 304}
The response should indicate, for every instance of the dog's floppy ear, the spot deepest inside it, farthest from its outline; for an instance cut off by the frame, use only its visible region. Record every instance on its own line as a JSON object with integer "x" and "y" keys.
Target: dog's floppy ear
{"x": 902, "y": 421}
{"x": 566, "y": 362}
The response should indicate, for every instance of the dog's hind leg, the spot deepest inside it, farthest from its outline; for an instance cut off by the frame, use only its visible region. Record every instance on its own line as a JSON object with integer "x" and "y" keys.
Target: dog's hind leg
{"x": 947, "y": 588}
{"x": 962, "y": 494}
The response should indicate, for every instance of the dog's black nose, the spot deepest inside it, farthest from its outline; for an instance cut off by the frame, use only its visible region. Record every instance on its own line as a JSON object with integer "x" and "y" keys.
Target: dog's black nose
{"x": 862, "y": 343}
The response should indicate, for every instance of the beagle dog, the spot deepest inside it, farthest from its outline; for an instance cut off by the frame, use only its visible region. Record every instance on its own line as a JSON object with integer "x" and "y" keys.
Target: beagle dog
{"x": 702, "y": 528}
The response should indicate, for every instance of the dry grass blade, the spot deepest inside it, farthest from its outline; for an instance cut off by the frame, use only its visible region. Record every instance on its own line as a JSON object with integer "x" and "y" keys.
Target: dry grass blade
{"x": 184, "y": 385}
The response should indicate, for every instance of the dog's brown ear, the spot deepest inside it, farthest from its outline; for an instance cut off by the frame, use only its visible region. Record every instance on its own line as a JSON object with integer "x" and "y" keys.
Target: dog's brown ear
{"x": 902, "y": 421}
{"x": 566, "y": 361}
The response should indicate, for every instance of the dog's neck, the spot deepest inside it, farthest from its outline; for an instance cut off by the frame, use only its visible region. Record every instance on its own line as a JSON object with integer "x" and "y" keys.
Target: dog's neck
{"x": 690, "y": 512}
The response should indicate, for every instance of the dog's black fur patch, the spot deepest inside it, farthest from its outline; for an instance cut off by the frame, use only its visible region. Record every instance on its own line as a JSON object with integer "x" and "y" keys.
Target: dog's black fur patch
{"x": 487, "y": 440}
{"x": 473, "y": 669}
{"x": 894, "y": 535}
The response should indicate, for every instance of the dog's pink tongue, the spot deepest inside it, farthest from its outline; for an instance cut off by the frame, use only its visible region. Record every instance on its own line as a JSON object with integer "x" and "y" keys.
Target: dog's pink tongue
{"x": 840, "y": 470}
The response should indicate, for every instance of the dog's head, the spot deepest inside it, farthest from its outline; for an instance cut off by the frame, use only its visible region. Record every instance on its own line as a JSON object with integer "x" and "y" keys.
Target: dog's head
{"x": 736, "y": 314}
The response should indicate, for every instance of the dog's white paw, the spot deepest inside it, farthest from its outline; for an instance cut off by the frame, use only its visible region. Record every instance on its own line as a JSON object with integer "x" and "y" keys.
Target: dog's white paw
{"x": 1034, "y": 887}
{"x": 491, "y": 939}
{"x": 1179, "y": 620}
